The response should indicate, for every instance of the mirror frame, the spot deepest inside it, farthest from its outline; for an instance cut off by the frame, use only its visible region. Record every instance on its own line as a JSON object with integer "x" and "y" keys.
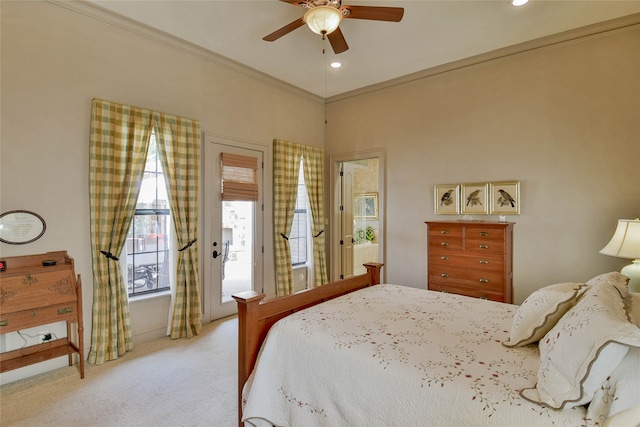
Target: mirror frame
{"x": 27, "y": 218}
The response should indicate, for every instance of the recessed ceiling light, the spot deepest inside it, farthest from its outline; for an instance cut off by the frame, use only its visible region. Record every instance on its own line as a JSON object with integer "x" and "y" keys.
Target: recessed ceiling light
{"x": 519, "y": 2}
{"x": 336, "y": 65}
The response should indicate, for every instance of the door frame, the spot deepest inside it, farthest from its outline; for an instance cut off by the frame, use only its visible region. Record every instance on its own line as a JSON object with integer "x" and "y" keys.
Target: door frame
{"x": 263, "y": 232}
{"x": 334, "y": 162}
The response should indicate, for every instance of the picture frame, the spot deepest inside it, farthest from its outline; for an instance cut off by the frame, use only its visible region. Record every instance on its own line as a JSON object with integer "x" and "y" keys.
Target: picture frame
{"x": 505, "y": 197}
{"x": 365, "y": 206}
{"x": 447, "y": 199}
{"x": 474, "y": 198}
{"x": 19, "y": 227}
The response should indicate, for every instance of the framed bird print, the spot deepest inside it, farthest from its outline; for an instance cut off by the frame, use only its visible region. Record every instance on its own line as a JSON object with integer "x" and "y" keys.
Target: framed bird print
{"x": 474, "y": 199}
{"x": 447, "y": 199}
{"x": 505, "y": 197}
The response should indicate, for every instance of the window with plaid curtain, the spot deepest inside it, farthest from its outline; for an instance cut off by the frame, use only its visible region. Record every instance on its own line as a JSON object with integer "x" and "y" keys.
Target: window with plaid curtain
{"x": 119, "y": 141}
{"x": 286, "y": 163}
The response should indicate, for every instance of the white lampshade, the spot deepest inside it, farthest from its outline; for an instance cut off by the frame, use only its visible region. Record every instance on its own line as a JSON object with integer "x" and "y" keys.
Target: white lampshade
{"x": 323, "y": 19}
{"x": 625, "y": 243}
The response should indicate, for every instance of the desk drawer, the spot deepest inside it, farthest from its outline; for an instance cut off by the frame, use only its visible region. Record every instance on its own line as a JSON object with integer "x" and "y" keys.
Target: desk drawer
{"x": 38, "y": 316}
{"x": 24, "y": 291}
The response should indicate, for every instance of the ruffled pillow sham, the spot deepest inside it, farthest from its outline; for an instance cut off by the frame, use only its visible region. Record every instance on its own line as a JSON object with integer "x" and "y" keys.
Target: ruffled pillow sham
{"x": 584, "y": 347}
{"x": 619, "y": 392}
{"x": 541, "y": 311}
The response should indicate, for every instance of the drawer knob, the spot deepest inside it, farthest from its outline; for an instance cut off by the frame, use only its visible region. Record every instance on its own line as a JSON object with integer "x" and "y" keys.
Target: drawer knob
{"x": 484, "y": 280}
{"x": 444, "y": 275}
{"x": 484, "y": 261}
{"x": 444, "y": 232}
{"x": 484, "y": 234}
{"x": 66, "y": 310}
{"x": 444, "y": 258}
{"x": 4, "y": 322}
{"x": 484, "y": 246}
{"x": 444, "y": 243}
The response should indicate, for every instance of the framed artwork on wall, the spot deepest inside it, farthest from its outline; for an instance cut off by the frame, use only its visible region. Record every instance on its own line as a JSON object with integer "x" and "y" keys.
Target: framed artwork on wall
{"x": 474, "y": 198}
{"x": 447, "y": 199}
{"x": 505, "y": 197}
{"x": 365, "y": 206}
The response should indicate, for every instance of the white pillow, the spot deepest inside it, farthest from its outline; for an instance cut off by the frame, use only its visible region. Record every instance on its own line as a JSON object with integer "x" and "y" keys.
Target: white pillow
{"x": 541, "y": 311}
{"x": 614, "y": 278}
{"x": 619, "y": 392}
{"x": 583, "y": 348}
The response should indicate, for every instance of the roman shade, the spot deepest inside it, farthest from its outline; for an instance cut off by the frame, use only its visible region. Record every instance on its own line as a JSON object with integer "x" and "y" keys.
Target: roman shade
{"x": 239, "y": 174}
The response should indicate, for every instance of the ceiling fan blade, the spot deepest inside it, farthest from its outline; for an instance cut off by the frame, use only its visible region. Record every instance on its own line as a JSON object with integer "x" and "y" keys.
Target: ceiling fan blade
{"x": 293, "y": 2}
{"x": 375, "y": 13}
{"x": 284, "y": 30}
{"x": 338, "y": 43}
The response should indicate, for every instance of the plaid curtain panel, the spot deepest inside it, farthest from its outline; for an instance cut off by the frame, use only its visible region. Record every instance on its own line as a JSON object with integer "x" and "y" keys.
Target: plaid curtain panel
{"x": 179, "y": 151}
{"x": 286, "y": 165}
{"x": 119, "y": 140}
{"x": 314, "y": 179}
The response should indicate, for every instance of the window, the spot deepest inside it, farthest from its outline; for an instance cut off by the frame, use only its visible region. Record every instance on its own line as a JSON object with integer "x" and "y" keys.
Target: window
{"x": 148, "y": 242}
{"x": 298, "y": 241}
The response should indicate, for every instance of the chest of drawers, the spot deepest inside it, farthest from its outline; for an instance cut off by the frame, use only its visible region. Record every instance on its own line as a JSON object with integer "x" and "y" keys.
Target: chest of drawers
{"x": 471, "y": 258}
{"x": 31, "y": 295}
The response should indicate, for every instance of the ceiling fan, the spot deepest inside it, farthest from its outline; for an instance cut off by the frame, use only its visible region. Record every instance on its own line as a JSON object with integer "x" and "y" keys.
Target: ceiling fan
{"x": 324, "y": 16}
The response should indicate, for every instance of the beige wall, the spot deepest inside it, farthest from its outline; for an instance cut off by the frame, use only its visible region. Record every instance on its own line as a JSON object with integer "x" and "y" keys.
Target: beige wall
{"x": 563, "y": 120}
{"x": 54, "y": 61}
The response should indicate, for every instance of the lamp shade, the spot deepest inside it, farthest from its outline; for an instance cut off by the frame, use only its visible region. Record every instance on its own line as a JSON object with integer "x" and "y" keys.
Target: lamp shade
{"x": 323, "y": 19}
{"x": 625, "y": 242}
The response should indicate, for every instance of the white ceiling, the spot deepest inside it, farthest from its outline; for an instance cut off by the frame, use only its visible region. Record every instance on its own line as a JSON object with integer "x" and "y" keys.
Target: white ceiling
{"x": 431, "y": 33}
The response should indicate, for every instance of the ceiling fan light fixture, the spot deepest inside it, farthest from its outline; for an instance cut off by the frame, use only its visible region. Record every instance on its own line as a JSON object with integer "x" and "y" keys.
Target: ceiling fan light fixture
{"x": 323, "y": 19}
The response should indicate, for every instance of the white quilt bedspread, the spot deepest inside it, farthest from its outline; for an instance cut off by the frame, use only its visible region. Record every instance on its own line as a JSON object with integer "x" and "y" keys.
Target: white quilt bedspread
{"x": 392, "y": 355}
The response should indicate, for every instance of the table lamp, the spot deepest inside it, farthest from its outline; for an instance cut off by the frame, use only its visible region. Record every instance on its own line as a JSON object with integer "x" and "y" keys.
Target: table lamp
{"x": 625, "y": 243}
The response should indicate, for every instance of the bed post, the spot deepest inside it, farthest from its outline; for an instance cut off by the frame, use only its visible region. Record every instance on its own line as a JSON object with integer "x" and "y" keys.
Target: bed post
{"x": 373, "y": 270}
{"x": 248, "y": 337}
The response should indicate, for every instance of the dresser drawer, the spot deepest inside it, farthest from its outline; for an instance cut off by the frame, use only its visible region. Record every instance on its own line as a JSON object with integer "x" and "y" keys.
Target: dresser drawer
{"x": 439, "y": 259}
{"x": 447, "y": 243}
{"x": 24, "y": 291}
{"x": 445, "y": 231}
{"x": 490, "y": 280}
{"x": 38, "y": 316}
{"x": 474, "y": 232}
{"x": 479, "y": 247}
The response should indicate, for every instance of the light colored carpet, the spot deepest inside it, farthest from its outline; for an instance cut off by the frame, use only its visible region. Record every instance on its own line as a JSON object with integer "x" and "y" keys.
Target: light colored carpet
{"x": 186, "y": 382}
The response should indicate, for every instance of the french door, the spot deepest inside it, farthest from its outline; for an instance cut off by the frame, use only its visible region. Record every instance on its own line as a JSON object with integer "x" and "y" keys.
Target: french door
{"x": 233, "y": 231}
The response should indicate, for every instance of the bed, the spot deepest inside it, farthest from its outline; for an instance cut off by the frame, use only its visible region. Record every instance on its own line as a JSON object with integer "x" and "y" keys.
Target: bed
{"x": 388, "y": 355}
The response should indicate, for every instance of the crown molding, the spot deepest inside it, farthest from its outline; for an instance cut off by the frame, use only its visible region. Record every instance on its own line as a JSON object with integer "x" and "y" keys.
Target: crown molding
{"x": 105, "y": 16}
{"x": 595, "y": 30}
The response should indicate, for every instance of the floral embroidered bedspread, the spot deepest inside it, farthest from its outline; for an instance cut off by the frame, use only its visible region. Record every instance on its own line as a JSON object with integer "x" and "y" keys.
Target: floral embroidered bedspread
{"x": 392, "y": 355}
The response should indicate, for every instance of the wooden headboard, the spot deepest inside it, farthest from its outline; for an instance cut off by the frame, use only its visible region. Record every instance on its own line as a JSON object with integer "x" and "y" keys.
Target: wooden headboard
{"x": 256, "y": 315}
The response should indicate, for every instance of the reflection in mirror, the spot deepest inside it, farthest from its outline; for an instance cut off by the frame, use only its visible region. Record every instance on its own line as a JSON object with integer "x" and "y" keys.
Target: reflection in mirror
{"x": 20, "y": 227}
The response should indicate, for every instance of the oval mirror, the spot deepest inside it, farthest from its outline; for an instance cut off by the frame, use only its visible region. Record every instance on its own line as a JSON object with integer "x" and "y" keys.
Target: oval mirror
{"x": 20, "y": 227}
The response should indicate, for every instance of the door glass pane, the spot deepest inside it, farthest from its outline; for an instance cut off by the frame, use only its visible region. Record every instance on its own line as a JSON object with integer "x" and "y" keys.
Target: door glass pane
{"x": 237, "y": 247}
